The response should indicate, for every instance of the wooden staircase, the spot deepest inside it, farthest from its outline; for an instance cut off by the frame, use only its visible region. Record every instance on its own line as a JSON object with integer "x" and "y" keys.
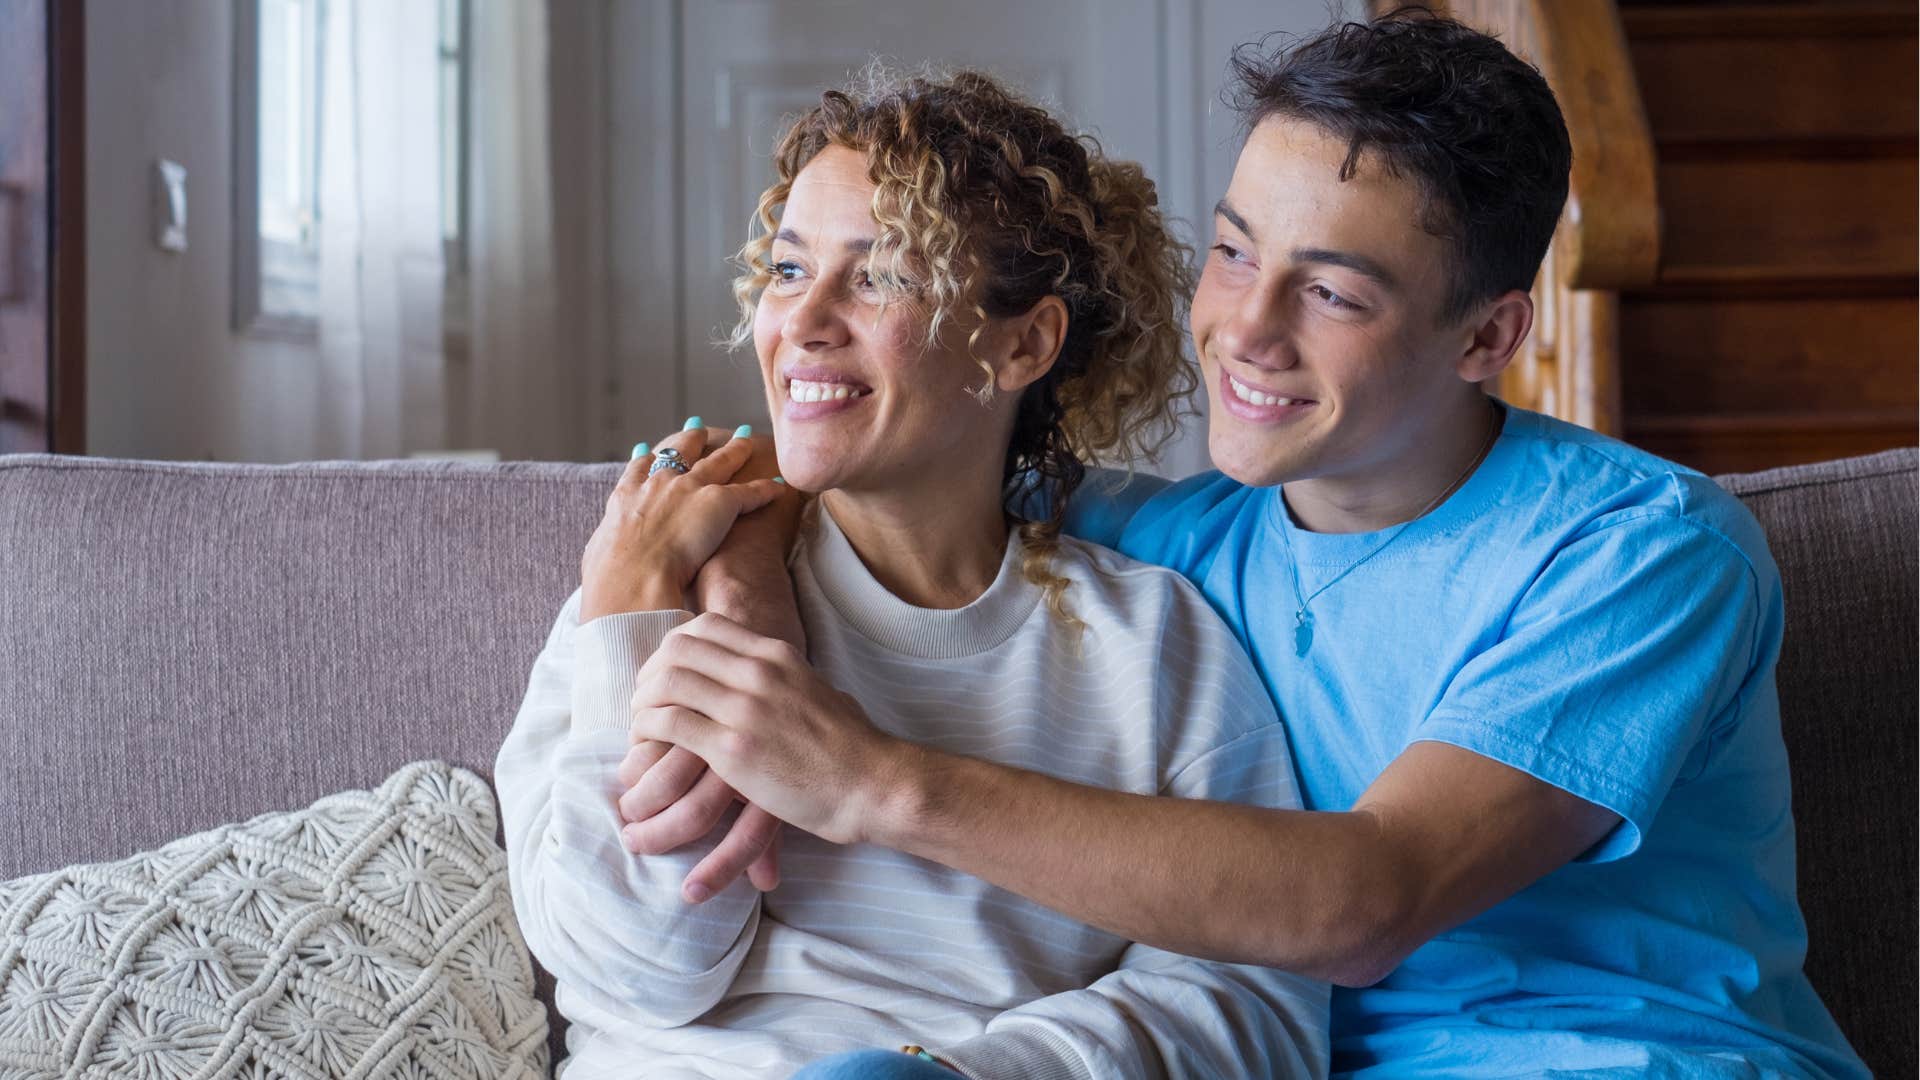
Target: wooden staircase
{"x": 1781, "y": 325}
{"x": 1734, "y": 282}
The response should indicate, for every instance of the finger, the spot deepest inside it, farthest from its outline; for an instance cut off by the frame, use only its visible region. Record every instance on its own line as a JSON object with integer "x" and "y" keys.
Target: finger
{"x": 765, "y": 871}
{"x": 681, "y": 727}
{"x": 721, "y": 464}
{"x": 754, "y": 494}
{"x": 751, "y": 835}
{"x": 690, "y": 819}
{"x": 635, "y": 472}
{"x": 733, "y": 637}
{"x": 691, "y": 442}
{"x": 673, "y": 776}
{"x": 698, "y": 675}
{"x": 640, "y": 757}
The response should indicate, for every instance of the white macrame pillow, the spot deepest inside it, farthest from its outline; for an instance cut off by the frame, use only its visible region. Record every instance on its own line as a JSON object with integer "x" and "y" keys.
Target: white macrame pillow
{"x": 369, "y": 935}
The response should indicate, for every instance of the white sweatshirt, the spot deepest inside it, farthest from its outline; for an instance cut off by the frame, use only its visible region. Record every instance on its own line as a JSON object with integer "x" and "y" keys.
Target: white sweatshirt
{"x": 861, "y": 946}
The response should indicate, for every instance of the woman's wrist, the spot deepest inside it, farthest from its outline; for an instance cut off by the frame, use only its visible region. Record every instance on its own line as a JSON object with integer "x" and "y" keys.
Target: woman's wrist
{"x": 649, "y": 592}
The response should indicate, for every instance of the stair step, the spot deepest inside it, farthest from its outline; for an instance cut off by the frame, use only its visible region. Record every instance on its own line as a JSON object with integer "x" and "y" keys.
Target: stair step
{"x": 1770, "y": 355}
{"x": 1723, "y": 443}
{"x": 1775, "y": 72}
{"x": 1754, "y": 220}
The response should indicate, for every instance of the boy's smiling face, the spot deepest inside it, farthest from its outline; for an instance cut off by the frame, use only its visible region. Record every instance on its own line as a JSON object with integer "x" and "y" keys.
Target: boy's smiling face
{"x": 1318, "y": 319}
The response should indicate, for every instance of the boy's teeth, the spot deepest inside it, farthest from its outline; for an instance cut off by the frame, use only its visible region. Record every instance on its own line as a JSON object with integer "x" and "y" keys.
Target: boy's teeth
{"x": 1255, "y": 397}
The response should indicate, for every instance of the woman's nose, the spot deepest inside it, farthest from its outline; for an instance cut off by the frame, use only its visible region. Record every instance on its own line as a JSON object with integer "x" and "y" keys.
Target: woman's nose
{"x": 815, "y": 322}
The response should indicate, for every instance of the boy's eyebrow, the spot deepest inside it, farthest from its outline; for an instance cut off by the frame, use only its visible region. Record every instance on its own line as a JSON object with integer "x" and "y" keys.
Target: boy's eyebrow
{"x": 1359, "y": 264}
{"x": 858, "y": 247}
{"x": 1226, "y": 210}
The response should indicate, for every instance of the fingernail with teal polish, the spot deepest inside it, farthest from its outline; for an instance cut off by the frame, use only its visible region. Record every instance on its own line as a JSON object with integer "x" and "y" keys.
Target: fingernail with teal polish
{"x": 693, "y": 423}
{"x": 780, "y": 480}
{"x": 640, "y": 449}
{"x": 743, "y": 431}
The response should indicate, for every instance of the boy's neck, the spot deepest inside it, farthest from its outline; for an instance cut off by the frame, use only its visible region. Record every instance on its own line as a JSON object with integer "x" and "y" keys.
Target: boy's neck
{"x": 1407, "y": 486}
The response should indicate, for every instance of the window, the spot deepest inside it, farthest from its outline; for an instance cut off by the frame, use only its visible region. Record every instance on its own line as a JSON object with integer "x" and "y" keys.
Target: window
{"x": 278, "y": 49}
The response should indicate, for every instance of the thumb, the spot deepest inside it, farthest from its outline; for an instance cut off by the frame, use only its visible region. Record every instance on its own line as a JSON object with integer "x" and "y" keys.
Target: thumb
{"x": 755, "y": 494}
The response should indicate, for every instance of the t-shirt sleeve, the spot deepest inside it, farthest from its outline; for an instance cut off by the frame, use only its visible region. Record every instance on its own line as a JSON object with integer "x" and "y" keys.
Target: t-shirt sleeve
{"x": 1638, "y": 642}
{"x": 1106, "y": 501}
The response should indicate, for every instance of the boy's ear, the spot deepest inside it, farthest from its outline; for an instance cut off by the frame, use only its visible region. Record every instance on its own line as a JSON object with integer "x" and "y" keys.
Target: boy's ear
{"x": 1503, "y": 325}
{"x": 1036, "y": 338}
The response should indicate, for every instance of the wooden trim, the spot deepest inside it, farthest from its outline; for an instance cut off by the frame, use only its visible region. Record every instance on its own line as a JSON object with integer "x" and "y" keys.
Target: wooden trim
{"x": 1609, "y": 235}
{"x": 1795, "y": 149}
{"x": 1765, "y": 20}
{"x": 1727, "y": 285}
{"x": 67, "y": 213}
{"x": 1874, "y": 420}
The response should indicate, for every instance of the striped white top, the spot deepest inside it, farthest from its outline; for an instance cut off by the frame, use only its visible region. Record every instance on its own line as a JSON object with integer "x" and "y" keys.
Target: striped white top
{"x": 861, "y": 946}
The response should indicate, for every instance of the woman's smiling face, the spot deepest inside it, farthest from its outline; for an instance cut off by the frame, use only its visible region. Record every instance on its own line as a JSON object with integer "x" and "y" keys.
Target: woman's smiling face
{"x": 859, "y": 401}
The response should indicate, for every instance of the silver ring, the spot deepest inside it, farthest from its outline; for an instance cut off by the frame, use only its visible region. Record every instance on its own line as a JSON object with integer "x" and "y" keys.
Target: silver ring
{"x": 667, "y": 458}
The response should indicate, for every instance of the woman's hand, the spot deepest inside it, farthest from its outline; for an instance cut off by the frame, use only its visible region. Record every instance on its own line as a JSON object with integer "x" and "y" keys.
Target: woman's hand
{"x": 769, "y": 725}
{"x": 658, "y": 530}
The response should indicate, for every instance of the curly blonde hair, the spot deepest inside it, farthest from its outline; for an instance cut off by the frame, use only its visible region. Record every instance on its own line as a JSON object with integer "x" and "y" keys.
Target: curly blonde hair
{"x": 986, "y": 204}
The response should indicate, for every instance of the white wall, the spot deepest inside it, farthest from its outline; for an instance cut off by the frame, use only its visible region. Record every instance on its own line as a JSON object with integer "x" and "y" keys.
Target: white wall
{"x": 168, "y": 378}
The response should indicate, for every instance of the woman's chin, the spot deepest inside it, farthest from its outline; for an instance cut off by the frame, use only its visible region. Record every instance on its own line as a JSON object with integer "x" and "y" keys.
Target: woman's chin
{"x": 805, "y": 472}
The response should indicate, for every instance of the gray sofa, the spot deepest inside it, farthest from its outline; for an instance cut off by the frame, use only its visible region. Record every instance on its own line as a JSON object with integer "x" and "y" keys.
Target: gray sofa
{"x": 183, "y": 645}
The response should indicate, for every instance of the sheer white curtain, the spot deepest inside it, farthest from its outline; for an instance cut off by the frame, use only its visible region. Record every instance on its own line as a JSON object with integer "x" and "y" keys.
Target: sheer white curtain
{"x": 381, "y": 263}
{"x": 518, "y": 393}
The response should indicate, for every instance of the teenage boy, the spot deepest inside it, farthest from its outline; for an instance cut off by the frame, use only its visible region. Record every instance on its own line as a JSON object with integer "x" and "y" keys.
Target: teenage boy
{"x": 1527, "y": 671}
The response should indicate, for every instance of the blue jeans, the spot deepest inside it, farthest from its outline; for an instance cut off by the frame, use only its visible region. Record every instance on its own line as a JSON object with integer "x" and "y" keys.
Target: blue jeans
{"x": 874, "y": 1065}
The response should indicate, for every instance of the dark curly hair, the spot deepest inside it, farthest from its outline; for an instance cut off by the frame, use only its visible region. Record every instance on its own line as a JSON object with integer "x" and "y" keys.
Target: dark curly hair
{"x": 986, "y": 204}
{"x": 1475, "y": 126}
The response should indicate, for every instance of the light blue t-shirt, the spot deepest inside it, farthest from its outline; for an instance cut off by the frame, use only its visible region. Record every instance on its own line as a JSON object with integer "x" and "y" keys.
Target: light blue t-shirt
{"x": 1605, "y": 621}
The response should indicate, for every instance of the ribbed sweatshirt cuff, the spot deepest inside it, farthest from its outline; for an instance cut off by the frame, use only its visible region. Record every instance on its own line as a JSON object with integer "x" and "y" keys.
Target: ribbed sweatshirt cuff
{"x": 607, "y": 655}
{"x": 1022, "y": 1051}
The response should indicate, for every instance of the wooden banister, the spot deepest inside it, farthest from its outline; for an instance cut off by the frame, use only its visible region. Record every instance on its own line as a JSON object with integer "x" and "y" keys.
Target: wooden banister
{"x": 1608, "y": 239}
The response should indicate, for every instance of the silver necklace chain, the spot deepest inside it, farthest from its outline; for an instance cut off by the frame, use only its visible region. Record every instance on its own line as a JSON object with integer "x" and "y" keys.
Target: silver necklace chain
{"x": 1302, "y": 622}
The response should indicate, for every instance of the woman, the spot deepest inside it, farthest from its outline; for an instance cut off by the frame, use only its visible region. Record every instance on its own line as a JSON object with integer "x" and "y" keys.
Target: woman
{"x": 952, "y": 293}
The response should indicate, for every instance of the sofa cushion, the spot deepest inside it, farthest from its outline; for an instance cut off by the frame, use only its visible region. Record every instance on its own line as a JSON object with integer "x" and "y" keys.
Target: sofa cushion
{"x": 186, "y": 644}
{"x": 1843, "y": 534}
{"x": 370, "y": 934}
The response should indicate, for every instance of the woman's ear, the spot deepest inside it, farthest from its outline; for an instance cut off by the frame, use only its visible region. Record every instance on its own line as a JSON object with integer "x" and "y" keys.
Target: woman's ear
{"x": 1036, "y": 339}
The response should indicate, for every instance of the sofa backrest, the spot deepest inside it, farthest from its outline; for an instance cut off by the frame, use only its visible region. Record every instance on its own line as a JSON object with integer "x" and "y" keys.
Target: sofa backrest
{"x": 183, "y": 645}
{"x": 1844, "y": 535}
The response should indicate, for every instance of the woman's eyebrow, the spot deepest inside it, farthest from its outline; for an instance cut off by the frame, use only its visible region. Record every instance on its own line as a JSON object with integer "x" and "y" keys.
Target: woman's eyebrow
{"x": 859, "y": 247}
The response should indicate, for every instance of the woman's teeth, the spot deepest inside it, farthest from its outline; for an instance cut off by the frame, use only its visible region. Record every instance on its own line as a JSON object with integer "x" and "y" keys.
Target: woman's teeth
{"x": 804, "y": 392}
{"x": 1255, "y": 397}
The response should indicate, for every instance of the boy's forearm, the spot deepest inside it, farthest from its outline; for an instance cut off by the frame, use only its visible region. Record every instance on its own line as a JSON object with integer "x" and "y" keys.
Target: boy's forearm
{"x": 747, "y": 580}
{"x": 1141, "y": 866}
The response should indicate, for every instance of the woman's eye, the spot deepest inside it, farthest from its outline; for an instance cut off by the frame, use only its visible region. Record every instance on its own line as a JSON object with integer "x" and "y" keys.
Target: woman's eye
{"x": 784, "y": 270}
{"x": 1227, "y": 251}
{"x": 1333, "y": 299}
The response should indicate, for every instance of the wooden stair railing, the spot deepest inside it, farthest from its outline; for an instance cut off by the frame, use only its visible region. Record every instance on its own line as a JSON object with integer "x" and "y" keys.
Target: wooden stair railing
{"x": 1608, "y": 239}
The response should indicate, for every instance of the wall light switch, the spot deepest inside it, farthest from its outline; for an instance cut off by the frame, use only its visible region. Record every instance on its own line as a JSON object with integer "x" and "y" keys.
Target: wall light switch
{"x": 170, "y": 205}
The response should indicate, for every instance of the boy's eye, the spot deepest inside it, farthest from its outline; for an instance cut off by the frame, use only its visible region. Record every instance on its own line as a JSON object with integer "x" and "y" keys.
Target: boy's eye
{"x": 1333, "y": 299}
{"x": 1227, "y": 251}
